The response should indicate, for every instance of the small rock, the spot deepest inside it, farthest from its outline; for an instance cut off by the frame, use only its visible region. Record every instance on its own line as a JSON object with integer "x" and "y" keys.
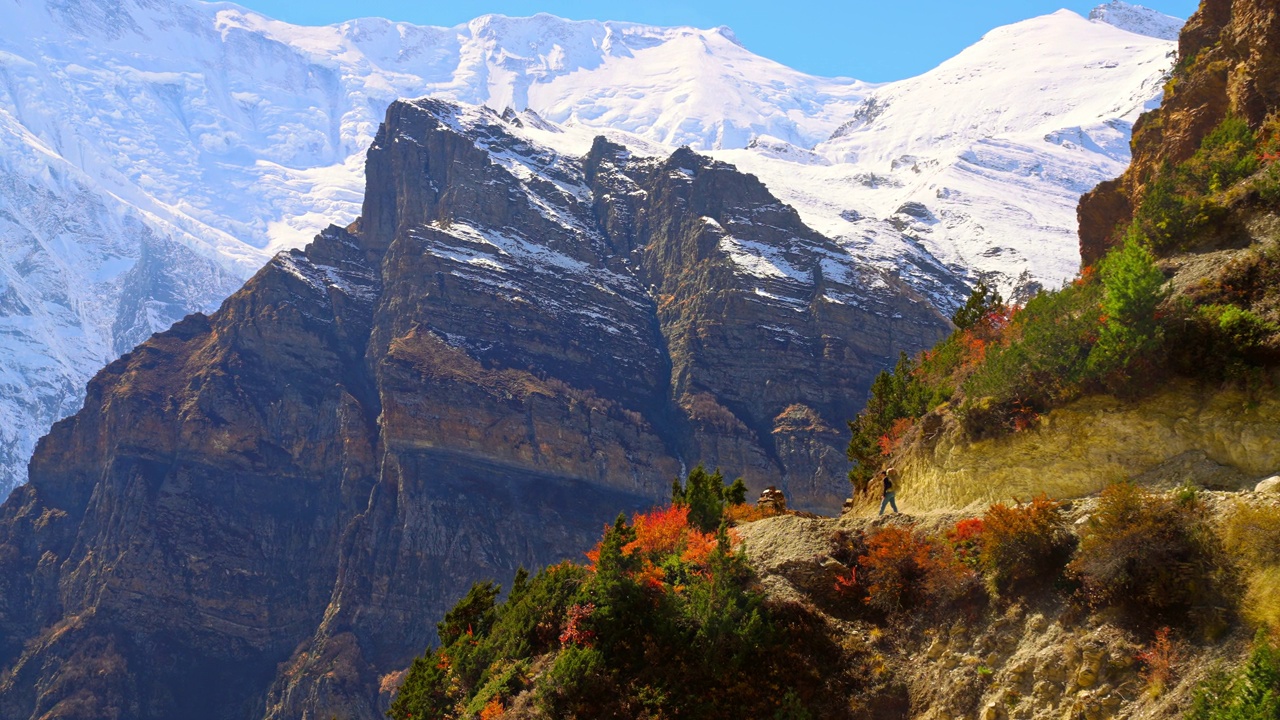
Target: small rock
{"x": 1090, "y": 667}
{"x": 1270, "y": 485}
{"x": 936, "y": 648}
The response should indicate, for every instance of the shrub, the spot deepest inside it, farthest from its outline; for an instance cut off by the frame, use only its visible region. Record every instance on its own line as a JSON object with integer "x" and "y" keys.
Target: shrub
{"x": 966, "y": 541}
{"x": 746, "y": 512}
{"x": 1023, "y": 544}
{"x": 903, "y": 570}
{"x": 1132, "y": 289}
{"x": 474, "y": 613}
{"x": 1153, "y": 558}
{"x": 1158, "y": 661}
{"x": 1251, "y": 535}
{"x": 1042, "y": 361}
{"x": 577, "y": 685}
{"x": 1262, "y": 599}
{"x": 1250, "y": 693}
{"x": 425, "y": 692}
{"x": 1182, "y": 201}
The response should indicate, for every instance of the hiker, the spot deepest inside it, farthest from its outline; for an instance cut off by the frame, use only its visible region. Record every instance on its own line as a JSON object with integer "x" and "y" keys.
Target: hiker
{"x": 888, "y": 493}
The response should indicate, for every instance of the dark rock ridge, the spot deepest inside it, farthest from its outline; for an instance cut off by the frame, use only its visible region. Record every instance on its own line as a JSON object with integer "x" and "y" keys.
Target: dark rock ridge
{"x": 1229, "y": 64}
{"x": 259, "y": 512}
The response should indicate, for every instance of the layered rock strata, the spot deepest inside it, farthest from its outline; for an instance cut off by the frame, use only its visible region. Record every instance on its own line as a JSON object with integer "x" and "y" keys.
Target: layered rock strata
{"x": 259, "y": 512}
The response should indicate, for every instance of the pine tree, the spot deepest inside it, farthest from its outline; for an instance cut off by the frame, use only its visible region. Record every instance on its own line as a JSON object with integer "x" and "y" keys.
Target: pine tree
{"x": 982, "y": 302}
{"x": 1133, "y": 289}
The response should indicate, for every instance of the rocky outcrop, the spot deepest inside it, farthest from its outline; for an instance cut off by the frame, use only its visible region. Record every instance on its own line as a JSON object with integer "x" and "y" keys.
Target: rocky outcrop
{"x": 1229, "y": 64}
{"x": 260, "y": 512}
{"x": 1184, "y": 434}
{"x": 1039, "y": 656}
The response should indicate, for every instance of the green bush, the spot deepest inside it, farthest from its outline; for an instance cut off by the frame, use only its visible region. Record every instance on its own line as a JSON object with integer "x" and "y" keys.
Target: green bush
{"x": 1250, "y": 693}
{"x": 1041, "y": 363}
{"x": 982, "y": 302}
{"x": 1155, "y": 559}
{"x": 1221, "y": 342}
{"x": 664, "y": 624}
{"x": 1132, "y": 290}
{"x": 1183, "y": 201}
{"x": 578, "y": 685}
{"x": 425, "y": 692}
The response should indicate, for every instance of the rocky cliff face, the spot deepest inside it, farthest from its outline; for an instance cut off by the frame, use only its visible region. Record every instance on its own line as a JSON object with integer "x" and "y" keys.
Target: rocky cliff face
{"x": 1229, "y": 64}
{"x": 259, "y": 512}
{"x": 1186, "y": 434}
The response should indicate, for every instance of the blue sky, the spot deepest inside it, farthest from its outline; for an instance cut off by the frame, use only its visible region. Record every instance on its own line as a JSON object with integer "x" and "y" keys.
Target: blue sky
{"x": 876, "y": 40}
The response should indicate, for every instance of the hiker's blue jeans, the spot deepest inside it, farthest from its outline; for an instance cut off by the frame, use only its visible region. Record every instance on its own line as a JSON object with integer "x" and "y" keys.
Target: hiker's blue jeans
{"x": 888, "y": 500}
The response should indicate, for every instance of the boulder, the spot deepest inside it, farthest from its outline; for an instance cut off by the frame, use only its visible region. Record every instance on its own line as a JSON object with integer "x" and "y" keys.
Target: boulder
{"x": 1270, "y": 485}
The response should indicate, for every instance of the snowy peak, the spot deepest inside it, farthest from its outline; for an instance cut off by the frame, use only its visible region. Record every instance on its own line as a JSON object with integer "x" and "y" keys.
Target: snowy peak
{"x": 1138, "y": 19}
{"x": 997, "y": 144}
{"x": 220, "y": 136}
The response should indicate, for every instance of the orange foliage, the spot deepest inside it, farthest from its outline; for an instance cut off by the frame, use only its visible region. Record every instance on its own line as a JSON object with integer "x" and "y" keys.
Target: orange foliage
{"x": 651, "y": 575}
{"x": 1023, "y": 543}
{"x": 846, "y": 583}
{"x": 660, "y": 532}
{"x": 890, "y": 441}
{"x": 903, "y": 569}
{"x": 493, "y": 710}
{"x": 746, "y": 512}
{"x": 1159, "y": 659}
{"x": 699, "y": 548}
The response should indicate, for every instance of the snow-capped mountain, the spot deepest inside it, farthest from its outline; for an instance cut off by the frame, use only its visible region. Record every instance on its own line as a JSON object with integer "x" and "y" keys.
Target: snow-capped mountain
{"x": 978, "y": 164}
{"x": 157, "y": 152}
{"x": 1137, "y": 19}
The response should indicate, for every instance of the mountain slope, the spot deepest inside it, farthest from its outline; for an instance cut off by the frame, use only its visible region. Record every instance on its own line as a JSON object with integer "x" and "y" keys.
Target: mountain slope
{"x": 228, "y": 136}
{"x": 976, "y": 165}
{"x": 508, "y": 346}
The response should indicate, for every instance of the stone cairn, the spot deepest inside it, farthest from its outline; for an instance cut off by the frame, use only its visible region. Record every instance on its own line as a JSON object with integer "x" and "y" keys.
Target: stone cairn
{"x": 772, "y": 499}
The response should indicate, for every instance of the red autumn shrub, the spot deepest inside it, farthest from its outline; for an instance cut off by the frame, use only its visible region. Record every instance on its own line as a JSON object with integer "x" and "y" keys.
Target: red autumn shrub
{"x": 903, "y": 570}
{"x": 892, "y": 440}
{"x": 1023, "y": 544}
{"x": 966, "y": 539}
{"x": 574, "y": 633}
{"x": 1158, "y": 661}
